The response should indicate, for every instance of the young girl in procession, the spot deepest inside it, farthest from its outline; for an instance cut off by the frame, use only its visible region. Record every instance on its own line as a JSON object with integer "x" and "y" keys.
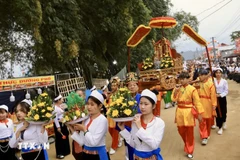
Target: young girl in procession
{"x": 189, "y": 106}
{"x": 222, "y": 91}
{"x": 62, "y": 145}
{"x": 6, "y": 132}
{"x": 30, "y": 138}
{"x": 147, "y": 130}
{"x": 92, "y": 135}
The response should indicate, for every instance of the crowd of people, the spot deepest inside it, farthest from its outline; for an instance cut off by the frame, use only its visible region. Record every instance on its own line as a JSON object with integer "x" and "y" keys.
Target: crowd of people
{"x": 197, "y": 96}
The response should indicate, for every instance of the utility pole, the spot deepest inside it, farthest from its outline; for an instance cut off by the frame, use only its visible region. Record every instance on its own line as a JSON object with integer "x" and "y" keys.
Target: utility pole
{"x": 214, "y": 51}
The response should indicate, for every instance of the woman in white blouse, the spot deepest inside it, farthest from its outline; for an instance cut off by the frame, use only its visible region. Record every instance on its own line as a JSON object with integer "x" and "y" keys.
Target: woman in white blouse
{"x": 30, "y": 138}
{"x": 62, "y": 145}
{"x": 6, "y": 132}
{"x": 147, "y": 130}
{"x": 92, "y": 135}
{"x": 222, "y": 91}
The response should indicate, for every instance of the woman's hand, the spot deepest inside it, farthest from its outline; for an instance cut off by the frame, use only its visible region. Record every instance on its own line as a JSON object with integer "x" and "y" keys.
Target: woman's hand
{"x": 44, "y": 125}
{"x": 199, "y": 118}
{"x": 79, "y": 127}
{"x": 24, "y": 127}
{"x": 137, "y": 121}
{"x": 70, "y": 127}
{"x": 121, "y": 125}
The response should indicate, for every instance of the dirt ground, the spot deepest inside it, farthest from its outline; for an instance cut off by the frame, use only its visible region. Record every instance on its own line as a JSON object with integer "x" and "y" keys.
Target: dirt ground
{"x": 220, "y": 147}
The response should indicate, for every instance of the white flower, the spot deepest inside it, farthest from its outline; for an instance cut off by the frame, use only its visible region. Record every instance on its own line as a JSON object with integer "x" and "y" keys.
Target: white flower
{"x": 75, "y": 117}
{"x": 83, "y": 115}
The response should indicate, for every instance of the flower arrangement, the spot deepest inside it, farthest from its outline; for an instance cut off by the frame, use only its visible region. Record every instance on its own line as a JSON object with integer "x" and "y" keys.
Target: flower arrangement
{"x": 166, "y": 62}
{"x": 147, "y": 64}
{"x": 122, "y": 105}
{"x": 42, "y": 109}
{"x": 76, "y": 108}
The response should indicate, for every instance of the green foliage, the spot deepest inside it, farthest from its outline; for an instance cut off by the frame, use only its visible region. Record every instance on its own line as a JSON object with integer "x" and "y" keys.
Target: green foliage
{"x": 81, "y": 36}
{"x": 234, "y": 35}
{"x": 76, "y": 108}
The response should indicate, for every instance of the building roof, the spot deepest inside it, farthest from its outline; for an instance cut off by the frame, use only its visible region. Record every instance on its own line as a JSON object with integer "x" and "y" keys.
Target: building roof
{"x": 225, "y": 48}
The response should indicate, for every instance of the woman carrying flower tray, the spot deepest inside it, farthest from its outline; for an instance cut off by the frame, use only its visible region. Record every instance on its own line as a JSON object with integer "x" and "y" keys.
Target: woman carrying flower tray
{"x": 30, "y": 135}
{"x": 92, "y": 133}
{"x": 147, "y": 130}
{"x": 61, "y": 132}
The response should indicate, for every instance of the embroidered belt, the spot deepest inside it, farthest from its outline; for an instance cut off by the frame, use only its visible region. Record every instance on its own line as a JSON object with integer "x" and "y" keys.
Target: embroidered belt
{"x": 4, "y": 140}
{"x": 183, "y": 102}
{"x": 184, "y": 107}
{"x": 101, "y": 150}
{"x": 206, "y": 97}
{"x": 150, "y": 158}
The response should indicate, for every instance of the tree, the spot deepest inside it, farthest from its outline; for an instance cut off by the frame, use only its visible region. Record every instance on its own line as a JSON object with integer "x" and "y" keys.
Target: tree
{"x": 80, "y": 36}
{"x": 234, "y": 35}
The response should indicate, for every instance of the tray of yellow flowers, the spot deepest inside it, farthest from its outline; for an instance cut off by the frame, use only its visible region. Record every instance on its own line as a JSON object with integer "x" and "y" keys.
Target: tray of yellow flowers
{"x": 41, "y": 111}
{"x": 123, "y": 106}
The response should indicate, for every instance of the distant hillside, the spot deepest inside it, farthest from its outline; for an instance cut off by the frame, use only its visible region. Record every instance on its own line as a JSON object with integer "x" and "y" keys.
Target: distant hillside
{"x": 188, "y": 55}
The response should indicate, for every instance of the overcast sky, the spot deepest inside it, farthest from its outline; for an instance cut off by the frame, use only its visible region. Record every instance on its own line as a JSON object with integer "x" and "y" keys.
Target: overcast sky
{"x": 219, "y": 25}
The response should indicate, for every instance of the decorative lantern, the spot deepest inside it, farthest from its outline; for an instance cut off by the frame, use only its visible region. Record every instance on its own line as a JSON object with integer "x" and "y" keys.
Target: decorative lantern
{"x": 12, "y": 97}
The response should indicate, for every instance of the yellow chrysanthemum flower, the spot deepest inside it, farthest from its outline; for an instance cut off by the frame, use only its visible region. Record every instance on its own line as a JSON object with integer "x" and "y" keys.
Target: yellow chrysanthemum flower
{"x": 43, "y": 110}
{"x": 29, "y": 114}
{"x": 122, "y": 89}
{"x": 34, "y": 107}
{"x": 119, "y": 101}
{"x": 124, "y": 104}
{"x": 130, "y": 103}
{"x": 44, "y": 94}
{"x": 36, "y": 117}
{"x": 115, "y": 113}
{"x": 48, "y": 115}
{"x": 41, "y": 104}
{"x": 49, "y": 108}
{"x": 112, "y": 104}
{"x": 66, "y": 118}
{"x": 127, "y": 112}
{"x": 77, "y": 113}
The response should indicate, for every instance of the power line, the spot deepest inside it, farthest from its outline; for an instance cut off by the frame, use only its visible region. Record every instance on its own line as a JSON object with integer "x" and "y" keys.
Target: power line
{"x": 215, "y": 11}
{"x": 210, "y": 8}
{"x": 229, "y": 23}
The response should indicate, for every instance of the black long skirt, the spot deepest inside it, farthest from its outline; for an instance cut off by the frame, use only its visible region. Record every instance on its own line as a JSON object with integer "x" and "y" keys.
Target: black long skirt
{"x": 62, "y": 145}
{"x": 9, "y": 154}
{"x": 33, "y": 155}
{"x": 77, "y": 156}
{"x": 92, "y": 157}
{"x": 223, "y": 107}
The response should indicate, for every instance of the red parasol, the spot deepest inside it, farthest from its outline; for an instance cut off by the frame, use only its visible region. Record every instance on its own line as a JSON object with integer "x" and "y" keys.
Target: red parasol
{"x": 138, "y": 35}
{"x": 162, "y": 22}
{"x": 196, "y": 37}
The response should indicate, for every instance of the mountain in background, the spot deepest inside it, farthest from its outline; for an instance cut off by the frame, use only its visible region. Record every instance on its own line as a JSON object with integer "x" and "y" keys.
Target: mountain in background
{"x": 189, "y": 55}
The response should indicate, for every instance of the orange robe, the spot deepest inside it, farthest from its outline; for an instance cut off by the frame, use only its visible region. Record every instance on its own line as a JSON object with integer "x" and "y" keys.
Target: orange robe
{"x": 188, "y": 100}
{"x": 208, "y": 98}
{"x": 111, "y": 128}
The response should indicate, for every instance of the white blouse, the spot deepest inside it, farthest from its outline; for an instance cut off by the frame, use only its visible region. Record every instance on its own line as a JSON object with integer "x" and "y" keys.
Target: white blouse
{"x": 6, "y": 130}
{"x": 145, "y": 140}
{"x": 96, "y": 135}
{"x": 221, "y": 87}
{"x": 59, "y": 115}
{"x": 31, "y": 135}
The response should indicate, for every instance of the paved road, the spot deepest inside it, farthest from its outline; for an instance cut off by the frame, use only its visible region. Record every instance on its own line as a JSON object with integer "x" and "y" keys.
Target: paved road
{"x": 220, "y": 147}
